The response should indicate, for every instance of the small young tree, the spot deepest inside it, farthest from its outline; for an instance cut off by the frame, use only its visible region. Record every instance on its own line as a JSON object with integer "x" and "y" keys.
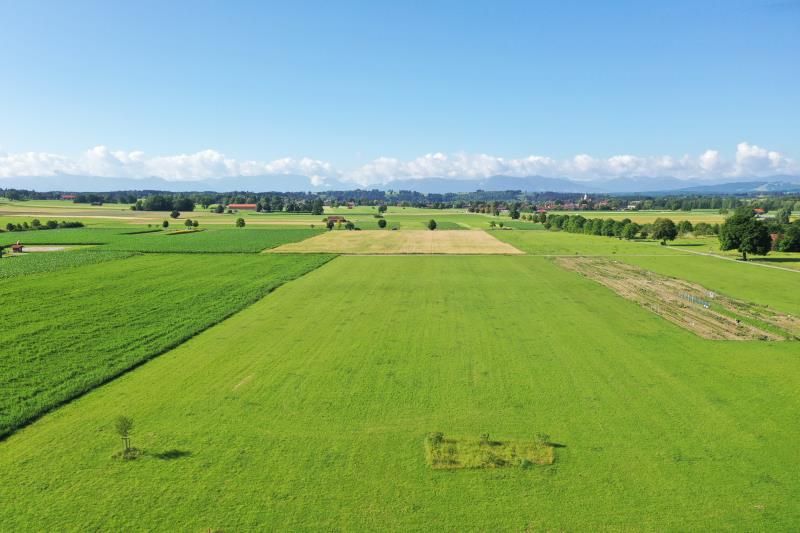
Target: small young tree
{"x": 382, "y": 222}
{"x": 382, "y": 208}
{"x": 329, "y": 225}
{"x": 492, "y": 223}
{"x": 124, "y": 426}
{"x": 349, "y": 226}
{"x": 195, "y": 223}
{"x": 188, "y": 223}
{"x": 175, "y": 214}
{"x": 240, "y": 222}
{"x": 165, "y": 224}
{"x": 431, "y": 224}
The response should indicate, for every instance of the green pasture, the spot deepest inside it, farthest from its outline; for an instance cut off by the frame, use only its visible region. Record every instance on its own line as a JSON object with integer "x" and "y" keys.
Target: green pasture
{"x": 52, "y": 262}
{"x": 309, "y": 410}
{"x": 65, "y": 334}
{"x": 564, "y": 243}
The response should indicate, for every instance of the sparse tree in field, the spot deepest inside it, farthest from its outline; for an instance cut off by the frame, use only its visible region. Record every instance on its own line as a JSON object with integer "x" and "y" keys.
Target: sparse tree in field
{"x": 329, "y": 225}
{"x": 349, "y": 226}
{"x": 195, "y": 223}
{"x": 492, "y": 223}
{"x": 36, "y": 223}
{"x": 240, "y": 222}
{"x": 175, "y": 213}
{"x": 382, "y": 223}
{"x": 165, "y": 224}
{"x": 501, "y": 224}
{"x": 664, "y": 229}
{"x": 431, "y": 224}
{"x": 219, "y": 209}
{"x": 124, "y": 426}
{"x": 745, "y": 233}
{"x": 188, "y": 223}
{"x": 382, "y": 208}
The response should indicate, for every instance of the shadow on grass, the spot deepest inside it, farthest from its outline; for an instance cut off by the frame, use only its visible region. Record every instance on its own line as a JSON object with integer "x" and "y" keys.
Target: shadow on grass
{"x": 776, "y": 259}
{"x": 675, "y": 245}
{"x": 171, "y": 455}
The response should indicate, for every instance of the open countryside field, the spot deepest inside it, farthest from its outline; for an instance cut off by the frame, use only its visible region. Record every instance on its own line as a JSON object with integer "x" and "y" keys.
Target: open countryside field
{"x": 68, "y": 333}
{"x": 401, "y": 242}
{"x": 283, "y": 415}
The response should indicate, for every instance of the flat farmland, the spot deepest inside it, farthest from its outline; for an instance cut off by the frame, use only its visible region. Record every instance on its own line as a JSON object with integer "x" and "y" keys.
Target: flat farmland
{"x": 66, "y": 334}
{"x": 401, "y": 242}
{"x": 290, "y": 416}
{"x": 563, "y": 243}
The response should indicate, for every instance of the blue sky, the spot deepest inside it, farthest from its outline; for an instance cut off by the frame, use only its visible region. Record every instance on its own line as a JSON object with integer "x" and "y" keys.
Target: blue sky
{"x": 358, "y": 85}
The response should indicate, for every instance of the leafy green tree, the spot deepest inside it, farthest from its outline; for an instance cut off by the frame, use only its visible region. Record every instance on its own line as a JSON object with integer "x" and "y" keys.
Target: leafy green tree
{"x": 188, "y": 223}
{"x": 165, "y": 224}
{"x": 431, "y": 224}
{"x": 240, "y": 222}
{"x": 684, "y": 227}
{"x": 329, "y": 225}
{"x": 492, "y": 223}
{"x": 630, "y": 230}
{"x": 349, "y": 226}
{"x": 124, "y": 426}
{"x": 316, "y": 207}
{"x": 382, "y": 208}
{"x": 664, "y": 229}
{"x": 36, "y": 223}
{"x": 743, "y": 232}
{"x": 382, "y": 223}
{"x": 790, "y": 241}
{"x": 195, "y": 223}
{"x": 782, "y": 216}
{"x": 175, "y": 214}
{"x": 219, "y": 209}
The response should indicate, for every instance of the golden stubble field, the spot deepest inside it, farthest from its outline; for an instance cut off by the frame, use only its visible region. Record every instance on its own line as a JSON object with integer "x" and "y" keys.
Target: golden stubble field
{"x": 401, "y": 242}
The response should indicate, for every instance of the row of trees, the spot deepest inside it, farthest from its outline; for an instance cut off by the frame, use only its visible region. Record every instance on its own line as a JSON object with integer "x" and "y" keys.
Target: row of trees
{"x": 36, "y": 224}
{"x": 663, "y": 229}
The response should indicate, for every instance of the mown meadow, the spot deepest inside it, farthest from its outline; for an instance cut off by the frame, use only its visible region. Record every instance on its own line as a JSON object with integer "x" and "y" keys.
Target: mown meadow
{"x": 310, "y": 410}
{"x": 65, "y": 334}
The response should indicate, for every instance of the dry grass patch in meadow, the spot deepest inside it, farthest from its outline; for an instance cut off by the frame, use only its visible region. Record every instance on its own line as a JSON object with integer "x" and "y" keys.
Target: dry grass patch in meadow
{"x": 401, "y": 242}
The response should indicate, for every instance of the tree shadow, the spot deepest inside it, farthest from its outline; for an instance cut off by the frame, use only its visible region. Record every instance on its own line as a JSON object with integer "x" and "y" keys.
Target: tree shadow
{"x": 556, "y": 445}
{"x": 686, "y": 244}
{"x": 171, "y": 455}
{"x": 777, "y": 259}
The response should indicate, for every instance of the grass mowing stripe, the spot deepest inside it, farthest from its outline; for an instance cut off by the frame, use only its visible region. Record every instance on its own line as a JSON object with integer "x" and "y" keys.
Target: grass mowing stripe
{"x": 50, "y": 262}
{"x": 69, "y": 333}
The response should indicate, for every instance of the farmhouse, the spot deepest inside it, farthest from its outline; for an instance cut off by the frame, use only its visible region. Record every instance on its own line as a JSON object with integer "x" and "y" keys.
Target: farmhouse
{"x": 16, "y": 248}
{"x": 251, "y": 207}
{"x": 68, "y": 196}
{"x": 336, "y": 218}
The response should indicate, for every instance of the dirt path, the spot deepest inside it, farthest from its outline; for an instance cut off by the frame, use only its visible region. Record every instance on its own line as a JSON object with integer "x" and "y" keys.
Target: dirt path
{"x": 691, "y": 306}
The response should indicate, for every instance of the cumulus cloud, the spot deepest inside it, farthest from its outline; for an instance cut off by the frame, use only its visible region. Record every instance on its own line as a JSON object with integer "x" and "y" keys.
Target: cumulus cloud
{"x": 749, "y": 160}
{"x": 206, "y": 164}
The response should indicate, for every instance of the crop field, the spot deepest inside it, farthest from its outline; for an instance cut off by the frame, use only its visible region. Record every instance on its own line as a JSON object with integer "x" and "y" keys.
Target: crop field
{"x": 216, "y": 240}
{"x": 26, "y": 264}
{"x": 143, "y": 239}
{"x": 289, "y": 416}
{"x": 401, "y": 242}
{"x": 117, "y": 314}
{"x": 562, "y": 243}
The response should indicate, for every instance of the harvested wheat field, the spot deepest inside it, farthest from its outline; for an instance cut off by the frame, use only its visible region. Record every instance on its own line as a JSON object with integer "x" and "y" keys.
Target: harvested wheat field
{"x": 689, "y": 305}
{"x": 400, "y": 242}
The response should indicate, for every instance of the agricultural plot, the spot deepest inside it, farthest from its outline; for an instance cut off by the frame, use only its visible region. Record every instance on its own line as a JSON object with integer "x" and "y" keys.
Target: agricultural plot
{"x": 310, "y": 408}
{"x": 710, "y": 315}
{"x": 26, "y": 264}
{"x": 117, "y": 315}
{"x": 401, "y": 242}
{"x": 62, "y": 236}
{"x": 562, "y": 243}
{"x": 241, "y": 240}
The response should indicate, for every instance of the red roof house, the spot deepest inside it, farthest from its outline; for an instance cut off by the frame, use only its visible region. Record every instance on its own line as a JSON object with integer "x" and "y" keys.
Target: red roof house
{"x": 243, "y": 206}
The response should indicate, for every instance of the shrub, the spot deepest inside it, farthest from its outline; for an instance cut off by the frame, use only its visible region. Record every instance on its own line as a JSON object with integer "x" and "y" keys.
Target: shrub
{"x": 240, "y": 222}
{"x": 431, "y": 224}
{"x": 382, "y": 223}
{"x": 165, "y": 224}
{"x": 175, "y": 214}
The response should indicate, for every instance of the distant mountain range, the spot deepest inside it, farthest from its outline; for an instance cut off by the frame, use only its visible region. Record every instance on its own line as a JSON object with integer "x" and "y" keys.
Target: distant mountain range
{"x": 296, "y": 183}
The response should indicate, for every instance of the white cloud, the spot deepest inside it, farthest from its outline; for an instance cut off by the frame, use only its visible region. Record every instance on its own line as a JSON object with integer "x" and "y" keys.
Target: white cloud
{"x": 749, "y": 160}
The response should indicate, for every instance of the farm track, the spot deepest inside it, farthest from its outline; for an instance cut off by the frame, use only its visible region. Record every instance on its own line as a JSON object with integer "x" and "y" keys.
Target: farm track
{"x": 670, "y": 298}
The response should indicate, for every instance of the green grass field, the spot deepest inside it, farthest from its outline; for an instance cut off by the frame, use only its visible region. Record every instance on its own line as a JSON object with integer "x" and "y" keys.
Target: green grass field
{"x": 216, "y": 240}
{"x": 35, "y": 263}
{"x": 309, "y": 410}
{"x": 65, "y": 334}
